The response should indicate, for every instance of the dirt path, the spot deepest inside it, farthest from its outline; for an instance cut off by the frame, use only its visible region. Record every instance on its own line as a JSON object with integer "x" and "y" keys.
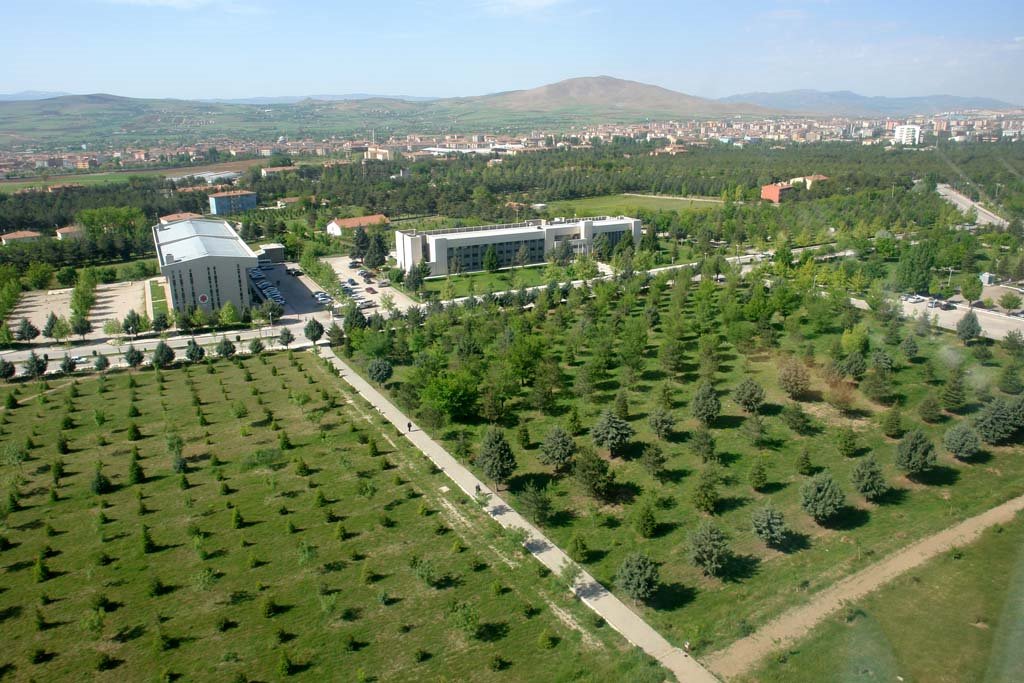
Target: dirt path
{"x": 743, "y": 655}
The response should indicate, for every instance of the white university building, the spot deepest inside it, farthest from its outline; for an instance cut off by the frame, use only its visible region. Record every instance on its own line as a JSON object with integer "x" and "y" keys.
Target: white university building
{"x": 462, "y": 249}
{"x": 205, "y": 263}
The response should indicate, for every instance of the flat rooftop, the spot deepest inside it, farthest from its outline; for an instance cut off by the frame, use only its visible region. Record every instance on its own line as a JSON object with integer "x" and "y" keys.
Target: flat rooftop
{"x": 520, "y": 228}
{"x": 194, "y": 238}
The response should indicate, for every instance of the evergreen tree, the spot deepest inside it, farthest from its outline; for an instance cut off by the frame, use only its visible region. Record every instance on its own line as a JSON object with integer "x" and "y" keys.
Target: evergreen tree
{"x": 968, "y": 328}
{"x": 34, "y": 366}
{"x": 637, "y": 577}
{"x": 611, "y": 432}
{"x": 846, "y": 442}
{"x": 709, "y": 548}
{"x": 769, "y": 525}
{"x": 225, "y": 348}
{"x": 962, "y": 441}
{"x": 929, "y": 409}
{"x": 286, "y": 337}
{"x": 821, "y": 498}
{"x": 954, "y": 393}
{"x": 997, "y": 421}
{"x": 705, "y": 495}
{"x": 1009, "y": 380}
{"x": 557, "y": 449}
{"x": 804, "y": 465}
{"x": 759, "y": 474}
{"x": 379, "y": 370}
{"x": 661, "y": 422}
{"x": 163, "y": 355}
{"x": 194, "y": 352}
{"x": 706, "y": 406}
{"x": 313, "y": 330}
{"x": 909, "y": 349}
{"x": 133, "y": 357}
{"x": 867, "y": 479}
{"x": 702, "y": 443}
{"x": 496, "y": 458}
{"x": 644, "y": 520}
{"x": 621, "y": 405}
{"x": 749, "y": 395}
{"x": 592, "y": 473}
{"x": 491, "y": 259}
{"x": 915, "y": 453}
{"x": 892, "y": 423}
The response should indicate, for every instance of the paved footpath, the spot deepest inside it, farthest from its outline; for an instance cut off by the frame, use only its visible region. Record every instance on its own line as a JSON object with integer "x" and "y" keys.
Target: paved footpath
{"x": 744, "y": 654}
{"x": 592, "y": 593}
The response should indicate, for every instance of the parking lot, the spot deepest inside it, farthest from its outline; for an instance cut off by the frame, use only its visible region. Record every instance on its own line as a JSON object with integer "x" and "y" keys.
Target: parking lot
{"x": 113, "y": 302}
{"x": 341, "y": 267}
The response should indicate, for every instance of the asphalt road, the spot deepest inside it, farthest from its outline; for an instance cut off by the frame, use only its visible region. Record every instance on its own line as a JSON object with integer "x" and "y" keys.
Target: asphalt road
{"x": 965, "y": 204}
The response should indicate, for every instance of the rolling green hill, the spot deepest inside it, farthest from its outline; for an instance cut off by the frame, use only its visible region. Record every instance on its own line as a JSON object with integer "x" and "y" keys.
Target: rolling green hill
{"x": 97, "y": 119}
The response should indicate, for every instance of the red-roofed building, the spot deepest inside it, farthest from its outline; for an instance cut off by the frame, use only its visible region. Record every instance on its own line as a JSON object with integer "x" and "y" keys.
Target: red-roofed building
{"x": 339, "y": 225}
{"x": 775, "y": 191}
{"x": 19, "y": 236}
{"x": 70, "y": 232}
{"x": 171, "y": 217}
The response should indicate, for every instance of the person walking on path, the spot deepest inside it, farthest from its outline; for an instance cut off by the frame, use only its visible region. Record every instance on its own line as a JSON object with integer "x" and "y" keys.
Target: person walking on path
{"x": 408, "y": 427}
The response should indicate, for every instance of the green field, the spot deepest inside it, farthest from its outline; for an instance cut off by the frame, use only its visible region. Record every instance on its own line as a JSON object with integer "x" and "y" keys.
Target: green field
{"x": 483, "y": 282}
{"x": 159, "y": 297}
{"x": 626, "y": 205}
{"x": 958, "y": 618}
{"x": 265, "y": 537}
{"x": 475, "y": 350}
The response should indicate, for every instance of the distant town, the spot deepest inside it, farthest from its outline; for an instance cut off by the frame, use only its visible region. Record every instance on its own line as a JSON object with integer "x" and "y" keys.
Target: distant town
{"x": 951, "y": 127}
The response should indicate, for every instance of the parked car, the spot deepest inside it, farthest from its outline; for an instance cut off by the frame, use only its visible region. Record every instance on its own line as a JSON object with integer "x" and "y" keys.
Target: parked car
{"x": 351, "y": 281}
{"x": 371, "y": 290}
{"x": 384, "y": 283}
{"x": 353, "y": 264}
{"x": 365, "y": 304}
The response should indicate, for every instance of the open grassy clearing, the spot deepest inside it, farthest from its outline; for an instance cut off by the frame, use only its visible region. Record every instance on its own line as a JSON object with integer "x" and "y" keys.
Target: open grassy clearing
{"x": 974, "y": 601}
{"x": 159, "y": 297}
{"x": 759, "y": 582}
{"x": 622, "y": 204}
{"x": 282, "y": 535}
{"x": 483, "y": 282}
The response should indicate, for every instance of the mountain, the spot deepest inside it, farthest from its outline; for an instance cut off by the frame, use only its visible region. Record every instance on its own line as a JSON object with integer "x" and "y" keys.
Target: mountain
{"x": 608, "y": 95}
{"x": 29, "y": 95}
{"x": 293, "y": 99}
{"x": 846, "y": 103}
{"x": 94, "y": 119}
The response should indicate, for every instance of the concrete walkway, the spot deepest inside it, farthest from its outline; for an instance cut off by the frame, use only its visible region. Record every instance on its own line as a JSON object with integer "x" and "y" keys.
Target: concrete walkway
{"x": 592, "y": 593}
{"x": 744, "y": 654}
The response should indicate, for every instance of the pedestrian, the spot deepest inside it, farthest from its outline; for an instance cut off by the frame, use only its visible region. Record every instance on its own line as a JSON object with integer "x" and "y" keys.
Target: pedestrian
{"x": 477, "y": 489}
{"x": 408, "y": 427}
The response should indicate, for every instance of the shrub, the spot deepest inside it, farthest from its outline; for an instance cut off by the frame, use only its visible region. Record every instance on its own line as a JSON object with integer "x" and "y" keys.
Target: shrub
{"x": 962, "y": 441}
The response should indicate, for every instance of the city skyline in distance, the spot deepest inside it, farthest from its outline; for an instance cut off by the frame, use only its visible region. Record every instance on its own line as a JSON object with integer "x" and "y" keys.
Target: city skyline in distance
{"x": 488, "y": 46}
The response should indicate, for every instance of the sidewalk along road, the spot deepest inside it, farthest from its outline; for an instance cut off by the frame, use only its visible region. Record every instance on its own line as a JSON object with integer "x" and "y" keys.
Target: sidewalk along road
{"x": 593, "y": 594}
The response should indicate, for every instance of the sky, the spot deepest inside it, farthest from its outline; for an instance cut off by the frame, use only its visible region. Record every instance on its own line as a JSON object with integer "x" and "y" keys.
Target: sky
{"x": 244, "y": 48}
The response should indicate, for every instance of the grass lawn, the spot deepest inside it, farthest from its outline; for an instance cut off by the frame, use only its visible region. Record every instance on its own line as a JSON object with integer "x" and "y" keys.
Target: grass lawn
{"x": 949, "y": 621}
{"x": 317, "y": 566}
{"x": 159, "y": 296}
{"x": 759, "y": 582}
{"x": 483, "y": 282}
{"x": 616, "y": 204}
